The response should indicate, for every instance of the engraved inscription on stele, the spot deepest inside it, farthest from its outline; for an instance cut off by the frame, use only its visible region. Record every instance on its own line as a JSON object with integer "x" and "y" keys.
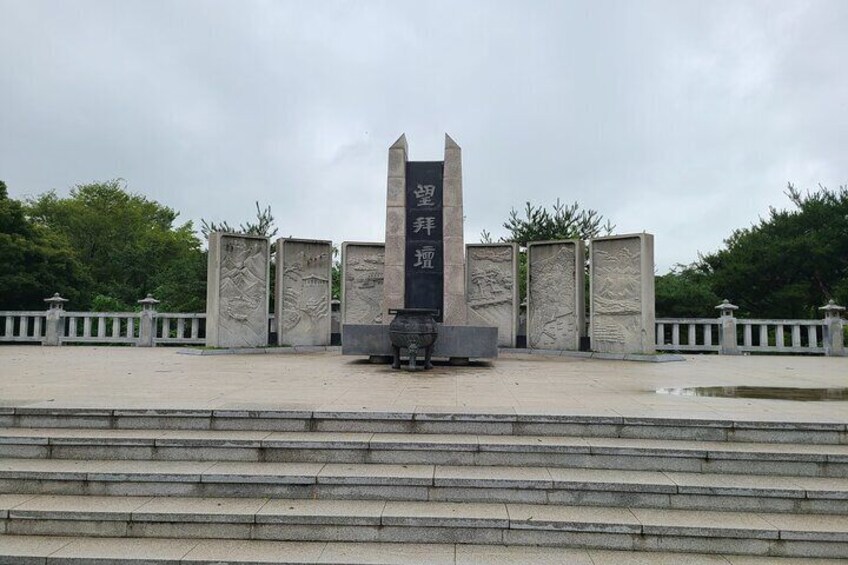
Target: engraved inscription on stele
{"x": 305, "y": 292}
{"x": 490, "y": 288}
{"x": 243, "y": 288}
{"x": 617, "y": 292}
{"x": 363, "y": 285}
{"x": 551, "y": 319}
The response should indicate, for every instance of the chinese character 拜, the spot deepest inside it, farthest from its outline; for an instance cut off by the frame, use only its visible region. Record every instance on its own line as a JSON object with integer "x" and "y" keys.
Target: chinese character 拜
{"x": 424, "y": 257}
{"x": 424, "y": 223}
{"x": 424, "y": 194}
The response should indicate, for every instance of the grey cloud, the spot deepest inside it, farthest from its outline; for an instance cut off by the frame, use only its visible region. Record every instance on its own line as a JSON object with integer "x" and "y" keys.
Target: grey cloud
{"x": 685, "y": 119}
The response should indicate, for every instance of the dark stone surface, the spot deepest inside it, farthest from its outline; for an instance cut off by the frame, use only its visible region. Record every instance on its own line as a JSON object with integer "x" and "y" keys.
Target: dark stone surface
{"x": 424, "y": 257}
{"x": 474, "y": 342}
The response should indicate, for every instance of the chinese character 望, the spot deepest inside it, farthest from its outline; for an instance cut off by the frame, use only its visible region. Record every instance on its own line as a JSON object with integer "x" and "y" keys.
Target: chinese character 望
{"x": 424, "y": 194}
{"x": 424, "y": 257}
{"x": 424, "y": 223}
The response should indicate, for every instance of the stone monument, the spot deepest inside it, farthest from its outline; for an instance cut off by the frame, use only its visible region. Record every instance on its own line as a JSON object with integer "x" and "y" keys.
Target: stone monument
{"x": 362, "y": 282}
{"x": 492, "y": 288}
{"x": 556, "y": 303}
{"x": 424, "y": 258}
{"x": 621, "y": 274}
{"x": 425, "y": 261}
{"x": 237, "y": 290}
{"x": 303, "y": 291}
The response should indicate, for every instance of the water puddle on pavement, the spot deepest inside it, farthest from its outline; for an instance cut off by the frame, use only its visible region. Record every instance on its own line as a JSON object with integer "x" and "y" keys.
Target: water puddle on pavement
{"x": 761, "y": 392}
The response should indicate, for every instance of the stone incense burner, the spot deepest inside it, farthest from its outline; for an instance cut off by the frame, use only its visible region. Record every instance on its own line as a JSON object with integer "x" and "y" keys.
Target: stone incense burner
{"x": 415, "y": 330}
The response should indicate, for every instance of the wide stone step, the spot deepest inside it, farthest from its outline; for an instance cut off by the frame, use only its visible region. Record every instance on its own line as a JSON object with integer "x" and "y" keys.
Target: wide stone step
{"x": 54, "y": 550}
{"x": 431, "y": 422}
{"x": 447, "y": 449}
{"x": 536, "y": 485}
{"x": 619, "y": 528}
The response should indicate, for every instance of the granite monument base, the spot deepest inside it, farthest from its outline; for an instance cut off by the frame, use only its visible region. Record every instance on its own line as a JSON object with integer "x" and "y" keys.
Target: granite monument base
{"x": 454, "y": 342}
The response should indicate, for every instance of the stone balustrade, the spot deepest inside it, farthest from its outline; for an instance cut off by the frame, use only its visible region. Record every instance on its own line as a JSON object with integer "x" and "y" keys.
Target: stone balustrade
{"x": 726, "y": 334}
{"x": 147, "y": 328}
{"x": 729, "y": 335}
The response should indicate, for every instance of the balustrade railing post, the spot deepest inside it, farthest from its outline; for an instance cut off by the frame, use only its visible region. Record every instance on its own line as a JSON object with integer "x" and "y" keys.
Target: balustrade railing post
{"x": 833, "y": 335}
{"x": 147, "y": 322}
{"x": 727, "y": 335}
{"x": 54, "y": 319}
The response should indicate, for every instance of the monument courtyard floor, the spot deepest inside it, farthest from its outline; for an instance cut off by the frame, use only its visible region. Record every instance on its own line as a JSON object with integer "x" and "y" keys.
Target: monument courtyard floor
{"x": 123, "y": 377}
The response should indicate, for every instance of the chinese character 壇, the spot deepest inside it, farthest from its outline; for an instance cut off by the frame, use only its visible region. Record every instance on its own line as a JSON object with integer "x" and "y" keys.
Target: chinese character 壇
{"x": 424, "y": 257}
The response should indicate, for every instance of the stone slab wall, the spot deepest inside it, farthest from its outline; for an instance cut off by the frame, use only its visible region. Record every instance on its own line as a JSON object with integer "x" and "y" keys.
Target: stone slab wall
{"x": 362, "y": 282}
{"x": 492, "y": 288}
{"x": 237, "y": 290}
{"x": 303, "y": 291}
{"x": 622, "y": 294}
{"x": 556, "y": 303}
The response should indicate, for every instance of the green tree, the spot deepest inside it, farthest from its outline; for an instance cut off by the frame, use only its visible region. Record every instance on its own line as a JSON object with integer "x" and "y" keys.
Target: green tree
{"x": 264, "y": 225}
{"x": 791, "y": 262}
{"x": 336, "y": 275}
{"x": 128, "y": 246}
{"x": 561, "y": 222}
{"x": 685, "y": 292}
{"x": 538, "y": 224}
{"x": 34, "y": 263}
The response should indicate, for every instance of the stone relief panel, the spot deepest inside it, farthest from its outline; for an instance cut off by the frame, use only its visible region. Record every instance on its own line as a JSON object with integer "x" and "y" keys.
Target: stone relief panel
{"x": 555, "y": 304}
{"x": 492, "y": 289}
{"x": 621, "y": 304}
{"x": 241, "y": 316}
{"x": 303, "y": 291}
{"x": 362, "y": 283}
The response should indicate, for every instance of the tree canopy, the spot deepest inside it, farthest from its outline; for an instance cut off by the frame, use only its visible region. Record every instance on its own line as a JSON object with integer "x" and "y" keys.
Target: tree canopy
{"x": 34, "y": 262}
{"x": 791, "y": 262}
{"x": 127, "y": 246}
{"x": 685, "y": 292}
{"x": 104, "y": 247}
{"x": 264, "y": 225}
{"x": 563, "y": 221}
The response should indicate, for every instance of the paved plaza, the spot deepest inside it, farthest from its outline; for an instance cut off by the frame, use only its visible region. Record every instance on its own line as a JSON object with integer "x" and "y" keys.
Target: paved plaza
{"x": 122, "y": 377}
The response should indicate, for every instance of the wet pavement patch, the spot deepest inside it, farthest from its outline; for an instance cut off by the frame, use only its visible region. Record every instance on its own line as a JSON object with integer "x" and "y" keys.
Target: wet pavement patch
{"x": 761, "y": 392}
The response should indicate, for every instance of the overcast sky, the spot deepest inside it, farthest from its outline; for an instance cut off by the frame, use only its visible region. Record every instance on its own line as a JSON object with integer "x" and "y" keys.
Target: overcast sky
{"x": 683, "y": 119}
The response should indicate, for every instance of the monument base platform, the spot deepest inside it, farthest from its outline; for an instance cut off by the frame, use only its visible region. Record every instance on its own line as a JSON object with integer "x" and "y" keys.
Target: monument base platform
{"x": 458, "y": 342}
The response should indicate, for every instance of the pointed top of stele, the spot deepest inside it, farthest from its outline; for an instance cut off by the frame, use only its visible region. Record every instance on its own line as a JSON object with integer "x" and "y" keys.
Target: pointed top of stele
{"x": 450, "y": 143}
{"x": 400, "y": 143}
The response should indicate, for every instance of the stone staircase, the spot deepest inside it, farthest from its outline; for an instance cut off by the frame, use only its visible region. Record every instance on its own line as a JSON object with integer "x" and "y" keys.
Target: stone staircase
{"x": 240, "y": 486}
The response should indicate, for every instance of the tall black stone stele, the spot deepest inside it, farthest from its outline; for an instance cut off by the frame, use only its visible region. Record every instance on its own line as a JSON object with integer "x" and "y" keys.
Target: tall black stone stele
{"x": 424, "y": 260}
{"x": 424, "y": 254}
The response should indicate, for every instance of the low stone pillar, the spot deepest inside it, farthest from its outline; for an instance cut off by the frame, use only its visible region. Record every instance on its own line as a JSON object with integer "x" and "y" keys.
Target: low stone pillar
{"x": 834, "y": 333}
{"x": 727, "y": 335}
{"x": 147, "y": 322}
{"x": 55, "y": 313}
